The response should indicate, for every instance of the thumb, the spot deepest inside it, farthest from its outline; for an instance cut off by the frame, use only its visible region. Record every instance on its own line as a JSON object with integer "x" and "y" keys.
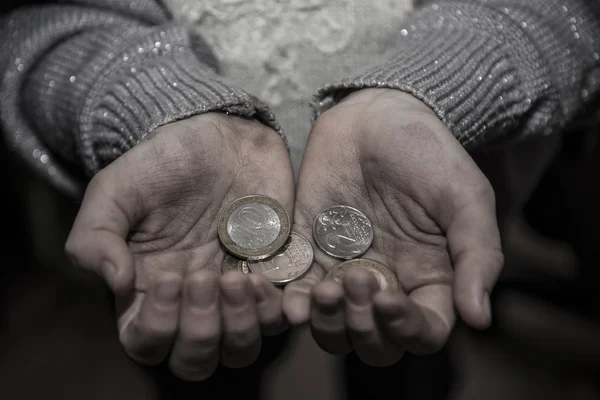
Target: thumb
{"x": 474, "y": 242}
{"x": 97, "y": 241}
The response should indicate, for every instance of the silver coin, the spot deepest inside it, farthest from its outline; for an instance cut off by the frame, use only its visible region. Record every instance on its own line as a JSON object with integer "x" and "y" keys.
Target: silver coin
{"x": 254, "y": 227}
{"x": 289, "y": 264}
{"x": 231, "y": 263}
{"x": 343, "y": 232}
{"x": 384, "y": 276}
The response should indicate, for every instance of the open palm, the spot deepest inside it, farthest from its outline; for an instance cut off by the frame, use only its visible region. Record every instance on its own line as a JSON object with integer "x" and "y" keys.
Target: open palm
{"x": 148, "y": 225}
{"x": 433, "y": 214}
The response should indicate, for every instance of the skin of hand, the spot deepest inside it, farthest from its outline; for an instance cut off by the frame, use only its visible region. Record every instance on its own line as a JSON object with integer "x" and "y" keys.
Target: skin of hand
{"x": 148, "y": 226}
{"x": 433, "y": 213}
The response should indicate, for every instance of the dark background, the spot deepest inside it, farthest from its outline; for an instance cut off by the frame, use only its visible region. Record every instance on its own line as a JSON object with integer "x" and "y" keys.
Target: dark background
{"x": 58, "y": 336}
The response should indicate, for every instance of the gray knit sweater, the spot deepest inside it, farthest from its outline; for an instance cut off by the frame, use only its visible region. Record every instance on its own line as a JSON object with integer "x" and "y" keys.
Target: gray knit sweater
{"x": 84, "y": 81}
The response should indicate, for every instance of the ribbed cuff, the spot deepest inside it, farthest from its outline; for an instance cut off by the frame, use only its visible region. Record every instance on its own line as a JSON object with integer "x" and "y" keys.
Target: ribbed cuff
{"x": 139, "y": 99}
{"x": 111, "y": 88}
{"x": 476, "y": 68}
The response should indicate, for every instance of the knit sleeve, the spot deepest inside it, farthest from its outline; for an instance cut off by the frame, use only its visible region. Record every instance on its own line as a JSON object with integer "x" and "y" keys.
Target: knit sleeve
{"x": 492, "y": 70}
{"x": 83, "y": 82}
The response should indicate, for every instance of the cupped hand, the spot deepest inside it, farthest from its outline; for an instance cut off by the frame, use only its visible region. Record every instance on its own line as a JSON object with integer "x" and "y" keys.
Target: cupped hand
{"x": 148, "y": 226}
{"x": 387, "y": 154}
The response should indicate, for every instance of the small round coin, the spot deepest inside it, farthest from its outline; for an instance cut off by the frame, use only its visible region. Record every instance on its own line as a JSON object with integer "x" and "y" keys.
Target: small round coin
{"x": 289, "y": 264}
{"x": 343, "y": 232}
{"x": 254, "y": 227}
{"x": 231, "y": 263}
{"x": 385, "y": 277}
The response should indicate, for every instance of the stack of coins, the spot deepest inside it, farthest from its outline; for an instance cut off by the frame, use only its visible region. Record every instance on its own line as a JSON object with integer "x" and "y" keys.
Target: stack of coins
{"x": 256, "y": 233}
{"x": 346, "y": 233}
{"x": 255, "y": 230}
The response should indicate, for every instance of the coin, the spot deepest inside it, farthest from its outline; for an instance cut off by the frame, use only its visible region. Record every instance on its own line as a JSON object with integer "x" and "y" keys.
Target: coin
{"x": 244, "y": 267}
{"x": 289, "y": 264}
{"x": 385, "y": 277}
{"x": 343, "y": 232}
{"x": 231, "y": 263}
{"x": 254, "y": 227}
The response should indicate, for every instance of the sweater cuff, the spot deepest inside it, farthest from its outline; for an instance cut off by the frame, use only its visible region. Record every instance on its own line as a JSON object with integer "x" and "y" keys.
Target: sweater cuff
{"x": 123, "y": 109}
{"x": 477, "y": 74}
{"x": 145, "y": 78}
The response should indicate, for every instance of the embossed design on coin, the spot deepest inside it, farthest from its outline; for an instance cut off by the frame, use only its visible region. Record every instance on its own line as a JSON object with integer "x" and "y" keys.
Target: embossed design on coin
{"x": 385, "y": 277}
{"x": 343, "y": 232}
{"x": 288, "y": 264}
{"x": 244, "y": 267}
{"x": 254, "y": 227}
{"x": 231, "y": 263}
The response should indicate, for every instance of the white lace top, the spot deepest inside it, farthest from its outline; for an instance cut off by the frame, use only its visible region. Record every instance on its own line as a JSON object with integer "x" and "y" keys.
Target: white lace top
{"x": 283, "y": 50}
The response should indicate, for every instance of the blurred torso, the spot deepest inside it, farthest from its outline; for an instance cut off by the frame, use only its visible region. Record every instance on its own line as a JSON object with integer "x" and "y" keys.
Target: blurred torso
{"x": 283, "y": 50}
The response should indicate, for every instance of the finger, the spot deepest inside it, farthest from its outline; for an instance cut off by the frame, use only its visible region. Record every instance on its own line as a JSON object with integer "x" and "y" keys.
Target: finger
{"x": 327, "y": 319}
{"x": 241, "y": 333}
{"x": 420, "y": 323}
{"x": 148, "y": 336}
{"x": 474, "y": 242}
{"x": 268, "y": 306}
{"x": 366, "y": 338}
{"x": 150, "y": 265}
{"x": 296, "y": 295}
{"x": 97, "y": 239}
{"x": 195, "y": 354}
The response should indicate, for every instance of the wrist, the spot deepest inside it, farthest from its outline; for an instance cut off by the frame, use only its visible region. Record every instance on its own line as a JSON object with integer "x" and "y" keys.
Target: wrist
{"x": 389, "y": 98}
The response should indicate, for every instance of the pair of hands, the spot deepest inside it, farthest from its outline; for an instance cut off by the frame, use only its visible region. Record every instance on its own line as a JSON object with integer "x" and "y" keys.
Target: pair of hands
{"x": 148, "y": 226}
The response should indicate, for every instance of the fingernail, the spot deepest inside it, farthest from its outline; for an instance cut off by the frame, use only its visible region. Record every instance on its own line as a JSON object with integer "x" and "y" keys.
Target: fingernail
{"x": 204, "y": 296}
{"x": 235, "y": 295}
{"x": 167, "y": 292}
